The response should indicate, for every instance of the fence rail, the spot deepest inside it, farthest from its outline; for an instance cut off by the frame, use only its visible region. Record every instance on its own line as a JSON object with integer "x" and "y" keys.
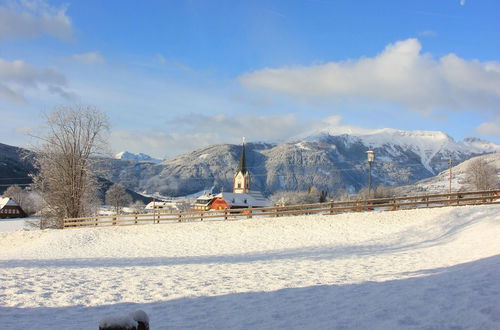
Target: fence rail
{"x": 380, "y": 204}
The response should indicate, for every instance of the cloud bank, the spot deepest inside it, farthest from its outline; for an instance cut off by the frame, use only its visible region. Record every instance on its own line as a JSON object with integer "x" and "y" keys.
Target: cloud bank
{"x": 400, "y": 74}
{"x": 193, "y": 131}
{"x": 28, "y": 19}
{"x": 17, "y": 76}
{"x": 491, "y": 128}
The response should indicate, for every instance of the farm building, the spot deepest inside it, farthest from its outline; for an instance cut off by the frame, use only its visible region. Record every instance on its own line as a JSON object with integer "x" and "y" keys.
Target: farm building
{"x": 162, "y": 205}
{"x": 204, "y": 202}
{"x": 10, "y": 209}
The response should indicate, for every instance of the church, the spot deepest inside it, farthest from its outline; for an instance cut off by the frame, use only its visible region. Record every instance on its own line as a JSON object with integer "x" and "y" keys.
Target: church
{"x": 241, "y": 197}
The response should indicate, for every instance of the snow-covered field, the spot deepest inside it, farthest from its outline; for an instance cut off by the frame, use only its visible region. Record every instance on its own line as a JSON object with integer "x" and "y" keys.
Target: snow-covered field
{"x": 414, "y": 269}
{"x": 14, "y": 224}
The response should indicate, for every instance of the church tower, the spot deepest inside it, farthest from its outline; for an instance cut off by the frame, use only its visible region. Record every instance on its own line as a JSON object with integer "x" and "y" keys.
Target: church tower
{"x": 241, "y": 180}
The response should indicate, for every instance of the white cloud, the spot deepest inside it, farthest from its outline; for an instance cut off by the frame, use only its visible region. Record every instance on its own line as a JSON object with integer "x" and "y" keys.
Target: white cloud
{"x": 91, "y": 57}
{"x": 462, "y": 2}
{"x": 193, "y": 131}
{"x": 489, "y": 128}
{"x": 28, "y": 19}
{"x": 17, "y": 77}
{"x": 400, "y": 74}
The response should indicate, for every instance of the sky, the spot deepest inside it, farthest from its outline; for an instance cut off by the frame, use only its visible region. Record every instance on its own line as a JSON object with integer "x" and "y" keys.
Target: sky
{"x": 175, "y": 76}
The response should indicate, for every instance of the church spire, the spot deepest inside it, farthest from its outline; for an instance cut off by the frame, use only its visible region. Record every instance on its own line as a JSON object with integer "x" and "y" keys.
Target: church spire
{"x": 242, "y": 167}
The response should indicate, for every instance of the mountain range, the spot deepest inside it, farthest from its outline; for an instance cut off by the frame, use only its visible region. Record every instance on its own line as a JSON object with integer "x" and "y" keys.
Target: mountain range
{"x": 324, "y": 160}
{"x": 140, "y": 157}
{"x": 17, "y": 166}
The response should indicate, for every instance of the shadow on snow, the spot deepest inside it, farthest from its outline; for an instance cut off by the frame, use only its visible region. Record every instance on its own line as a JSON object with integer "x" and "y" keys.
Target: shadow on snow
{"x": 458, "y": 297}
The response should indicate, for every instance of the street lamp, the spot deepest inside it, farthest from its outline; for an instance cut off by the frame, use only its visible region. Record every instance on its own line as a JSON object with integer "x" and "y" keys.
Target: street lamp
{"x": 370, "y": 154}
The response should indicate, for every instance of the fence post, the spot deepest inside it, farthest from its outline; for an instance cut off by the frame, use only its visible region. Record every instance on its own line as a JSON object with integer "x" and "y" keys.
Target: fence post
{"x": 394, "y": 207}
{"x": 225, "y": 214}
{"x": 201, "y": 216}
{"x": 331, "y": 207}
{"x": 249, "y": 216}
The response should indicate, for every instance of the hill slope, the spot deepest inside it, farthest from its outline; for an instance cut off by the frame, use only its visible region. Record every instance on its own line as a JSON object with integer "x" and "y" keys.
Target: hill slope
{"x": 440, "y": 183}
{"x": 16, "y": 167}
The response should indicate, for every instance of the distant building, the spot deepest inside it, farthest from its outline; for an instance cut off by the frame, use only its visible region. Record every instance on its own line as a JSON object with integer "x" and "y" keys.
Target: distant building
{"x": 10, "y": 209}
{"x": 163, "y": 205}
{"x": 203, "y": 203}
{"x": 241, "y": 180}
{"x": 241, "y": 197}
{"x": 226, "y": 200}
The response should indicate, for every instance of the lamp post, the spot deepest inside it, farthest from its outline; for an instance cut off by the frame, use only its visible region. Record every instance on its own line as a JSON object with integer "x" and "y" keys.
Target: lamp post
{"x": 370, "y": 154}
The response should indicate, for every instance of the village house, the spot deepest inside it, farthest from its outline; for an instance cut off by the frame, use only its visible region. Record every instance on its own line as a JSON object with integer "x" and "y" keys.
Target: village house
{"x": 162, "y": 205}
{"x": 241, "y": 197}
{"x": 10, "y": 209}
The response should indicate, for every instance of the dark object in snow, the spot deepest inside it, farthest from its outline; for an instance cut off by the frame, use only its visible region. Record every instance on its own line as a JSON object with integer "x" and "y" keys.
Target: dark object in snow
{"x": 137, "y": 320}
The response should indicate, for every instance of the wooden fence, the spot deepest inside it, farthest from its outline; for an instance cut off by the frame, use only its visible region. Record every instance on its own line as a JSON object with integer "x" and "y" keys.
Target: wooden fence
{"x": 380, "y": 204}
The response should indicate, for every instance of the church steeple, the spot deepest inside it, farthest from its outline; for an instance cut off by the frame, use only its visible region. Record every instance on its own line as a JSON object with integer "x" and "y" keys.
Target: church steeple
{"x": 242, "y": 177}
{"x": 242, "y": 167}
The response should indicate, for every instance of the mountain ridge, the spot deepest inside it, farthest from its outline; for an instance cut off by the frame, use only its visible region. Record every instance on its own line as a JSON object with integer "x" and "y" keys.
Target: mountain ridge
{"x": 329, "y": 162}
{"x": 139, "y": 157}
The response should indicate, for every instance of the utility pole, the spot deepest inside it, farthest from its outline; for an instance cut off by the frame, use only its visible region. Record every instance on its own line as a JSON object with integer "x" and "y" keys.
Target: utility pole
{"x": 154, "y": 209}
{"x": 449, "y": 165}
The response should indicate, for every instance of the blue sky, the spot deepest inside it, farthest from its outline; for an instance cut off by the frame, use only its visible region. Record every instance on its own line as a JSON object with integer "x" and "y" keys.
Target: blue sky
{"x": 174, "y": 76}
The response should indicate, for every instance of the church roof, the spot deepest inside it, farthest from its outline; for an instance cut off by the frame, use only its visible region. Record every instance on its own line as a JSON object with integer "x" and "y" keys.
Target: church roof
{"x": 254, "y": 199}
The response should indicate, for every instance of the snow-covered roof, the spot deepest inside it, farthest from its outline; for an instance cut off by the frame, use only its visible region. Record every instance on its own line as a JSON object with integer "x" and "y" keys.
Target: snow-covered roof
{"x": 204, "y": 199}
{"x": 158, "y": 204}
{"x": 7, "y": 201}
{"x": 254, "y": 199}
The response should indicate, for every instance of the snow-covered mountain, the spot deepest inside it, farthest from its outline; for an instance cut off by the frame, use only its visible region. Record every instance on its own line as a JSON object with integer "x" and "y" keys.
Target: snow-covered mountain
{"x": 325, "y": 160}
{"x": 431, "y": 147}
{"x": 440, "y": 183}
{"x": 140, "y": 157}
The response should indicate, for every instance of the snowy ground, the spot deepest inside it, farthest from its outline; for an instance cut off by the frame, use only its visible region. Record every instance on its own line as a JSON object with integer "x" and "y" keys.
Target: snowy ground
{"x": 7, "y": 225}
{"x": 414, "y": 269}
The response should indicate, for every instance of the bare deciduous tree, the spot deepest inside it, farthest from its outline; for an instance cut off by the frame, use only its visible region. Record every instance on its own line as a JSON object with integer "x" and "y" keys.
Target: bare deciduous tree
{"x": 16, "y": 193}
{"x": 117, "y": 197}
{"x": 380, "y": 191}
{"x": 313, "y": 195}
{"x": 138, "y": 207}
{"x": 68, "y": 186}
{"x": 481, "y": 175}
